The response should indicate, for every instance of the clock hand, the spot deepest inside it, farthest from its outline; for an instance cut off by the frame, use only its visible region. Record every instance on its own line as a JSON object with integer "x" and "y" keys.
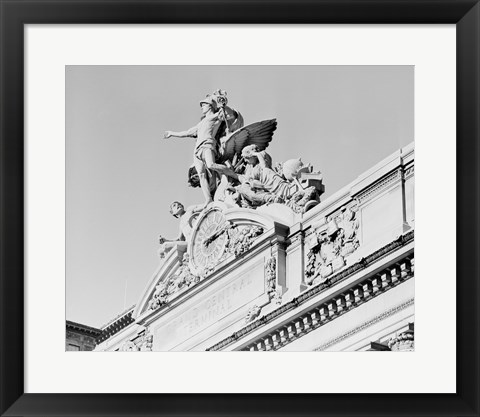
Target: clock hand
{"x": 213, "y": 236}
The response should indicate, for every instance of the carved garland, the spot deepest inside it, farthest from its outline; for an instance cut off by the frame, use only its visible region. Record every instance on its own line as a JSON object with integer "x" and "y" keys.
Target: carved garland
{"x": 240, "y": 238}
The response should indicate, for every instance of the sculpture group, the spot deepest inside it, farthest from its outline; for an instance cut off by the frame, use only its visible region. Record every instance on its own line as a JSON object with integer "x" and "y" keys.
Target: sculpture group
{"x": 231, "y": 165}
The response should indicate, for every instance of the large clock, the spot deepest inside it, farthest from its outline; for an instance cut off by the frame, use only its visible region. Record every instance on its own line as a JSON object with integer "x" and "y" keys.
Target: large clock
{"x": 209, "y": 240}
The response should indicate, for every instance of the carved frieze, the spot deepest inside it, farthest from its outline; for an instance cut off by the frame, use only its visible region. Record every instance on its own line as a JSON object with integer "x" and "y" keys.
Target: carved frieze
{"x": 331, "y": 245}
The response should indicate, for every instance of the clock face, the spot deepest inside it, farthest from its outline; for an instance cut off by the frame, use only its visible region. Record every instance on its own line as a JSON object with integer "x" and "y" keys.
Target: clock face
{"x": 209, "y": 239}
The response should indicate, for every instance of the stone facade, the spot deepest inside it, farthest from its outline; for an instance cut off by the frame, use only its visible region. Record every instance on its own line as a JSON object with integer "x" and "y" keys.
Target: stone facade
{"x": 80, "y": 337}
{"x": 336, "y": 276}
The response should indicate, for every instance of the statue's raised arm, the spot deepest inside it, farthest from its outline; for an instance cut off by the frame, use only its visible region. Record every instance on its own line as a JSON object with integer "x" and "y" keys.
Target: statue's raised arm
{"x": 190, "y": 133}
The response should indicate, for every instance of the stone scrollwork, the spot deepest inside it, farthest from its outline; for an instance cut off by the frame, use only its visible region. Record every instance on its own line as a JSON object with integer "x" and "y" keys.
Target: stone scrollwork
{"x": 180, "y": 280}
{"x": 330, "y": 247}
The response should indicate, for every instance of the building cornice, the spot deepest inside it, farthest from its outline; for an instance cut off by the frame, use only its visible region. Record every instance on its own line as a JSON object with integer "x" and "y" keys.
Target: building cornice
{"x": 330, "y": 308}
{"x": 82, "y": 328}
{"x": 117, "y": 324}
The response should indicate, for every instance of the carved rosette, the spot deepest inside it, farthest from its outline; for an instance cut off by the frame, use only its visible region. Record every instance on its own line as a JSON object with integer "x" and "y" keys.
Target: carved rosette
{"x": 404, "y": 342}
{"x": 330, "y": 246}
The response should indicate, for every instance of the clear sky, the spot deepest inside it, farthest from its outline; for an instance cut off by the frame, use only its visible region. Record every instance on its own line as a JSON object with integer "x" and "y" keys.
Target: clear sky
{"x": 121, "y": 175}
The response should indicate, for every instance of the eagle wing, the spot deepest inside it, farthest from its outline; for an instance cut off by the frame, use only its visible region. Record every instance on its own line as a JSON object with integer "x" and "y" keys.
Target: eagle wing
{"x": 258, "y": 133}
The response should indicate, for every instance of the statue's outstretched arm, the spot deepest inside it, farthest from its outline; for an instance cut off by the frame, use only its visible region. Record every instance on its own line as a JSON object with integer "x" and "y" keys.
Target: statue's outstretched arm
{"x": 180, "y": 238}
{"x": 190, "y": 133}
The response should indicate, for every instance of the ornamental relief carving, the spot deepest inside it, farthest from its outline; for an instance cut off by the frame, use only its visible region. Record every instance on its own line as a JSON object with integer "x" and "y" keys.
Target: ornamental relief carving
{"x": 143, "y": 343}
{"x": 330, "y": 246}
{"x": 238, "y": 239}
{"x": 404, "y": 342}
{"x": 271, "y": 280}
{"x": 180, "y": 280}
{"x": 252, "y": 314}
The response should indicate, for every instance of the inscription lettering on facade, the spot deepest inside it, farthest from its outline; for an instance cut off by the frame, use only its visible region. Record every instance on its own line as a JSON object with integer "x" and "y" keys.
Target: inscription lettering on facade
{"x": 212, "y": 309}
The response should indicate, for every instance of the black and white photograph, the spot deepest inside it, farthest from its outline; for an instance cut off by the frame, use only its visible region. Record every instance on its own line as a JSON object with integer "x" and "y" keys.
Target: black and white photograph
{"x": 240, "y": 208}
{"x": 183, "y": 179}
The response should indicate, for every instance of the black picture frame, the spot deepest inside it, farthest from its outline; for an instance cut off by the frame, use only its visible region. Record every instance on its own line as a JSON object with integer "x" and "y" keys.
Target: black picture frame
{"x": 15, "y": 14}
